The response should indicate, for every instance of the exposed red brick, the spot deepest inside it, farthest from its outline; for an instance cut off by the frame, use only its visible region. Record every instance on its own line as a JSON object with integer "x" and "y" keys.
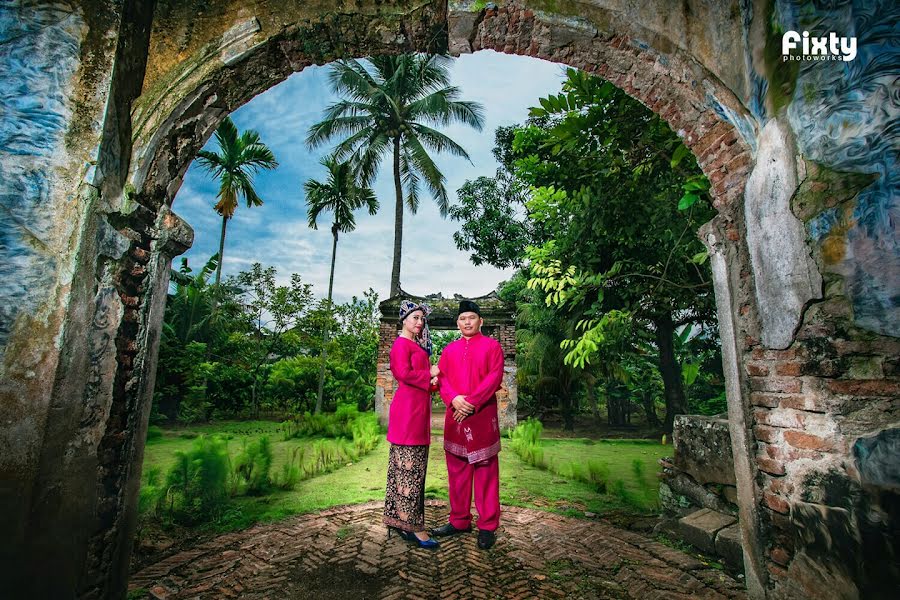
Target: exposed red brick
{"x": 791, "y": 369}
{"x": 776, "y": 503}
{"x": 784, "y": 385}
{"x": 807, "y": 441}
{"x": 130, "y": 300}
{"x": 757, "y": 370}
{"x": 777, "y": 572}
{"x": 807, "y": 402}
{"x": 767, "y": 400}
{"x": 770, "y": 466}
{"x": 780, "y": 556}
{"x": 140, "y": 255}
{"x": 738, "y": 162}
{"x": 767, "y": 434}
{"x": 765, "y": 354}
{"x": 865, "y": 387}
{"x": 781, "y": 486}
{"x": 778, "y": 417}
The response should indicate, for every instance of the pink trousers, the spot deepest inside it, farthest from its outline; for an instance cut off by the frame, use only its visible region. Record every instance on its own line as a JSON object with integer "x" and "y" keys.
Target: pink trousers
{"x": 486, "y": 477}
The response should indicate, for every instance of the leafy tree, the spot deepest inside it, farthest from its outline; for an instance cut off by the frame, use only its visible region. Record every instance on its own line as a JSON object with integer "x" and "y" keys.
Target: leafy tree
{"x": 270, "y": 310}
{"x": 341, "y": 195}
{"x": 189, "y": 325}
{"x": 610, "y": 179}
{"x": 389, "y": 107}
{"x": 239, "y": 158}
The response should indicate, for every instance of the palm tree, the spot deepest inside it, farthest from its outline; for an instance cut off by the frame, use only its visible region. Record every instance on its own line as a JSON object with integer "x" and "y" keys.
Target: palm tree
{"x": 389, "y": 105}
{"x": 340, "y": 194}
{"x": 240, "y": 157}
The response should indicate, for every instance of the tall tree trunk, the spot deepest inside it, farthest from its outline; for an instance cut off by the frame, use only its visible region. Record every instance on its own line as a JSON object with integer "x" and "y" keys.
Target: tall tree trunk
{"x": 649, "y": 409}
{"x": 398, "y": 222}
{"x": 221, "y": 250}
{"x": 592, "y": 400}
{"x": 334, "y": 232}
{"x": 669, "y": 369}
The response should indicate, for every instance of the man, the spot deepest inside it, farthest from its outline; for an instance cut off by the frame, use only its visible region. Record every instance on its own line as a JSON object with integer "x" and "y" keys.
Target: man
{"x": 471, "y": 371}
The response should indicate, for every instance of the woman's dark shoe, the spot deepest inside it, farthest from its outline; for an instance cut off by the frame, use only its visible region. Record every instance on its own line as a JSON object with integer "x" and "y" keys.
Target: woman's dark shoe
{"x": 449, "y": 529}
{"x": 486, "y": 539}
{"x": 404, "y": 535}
{"x": 430, "y": 543}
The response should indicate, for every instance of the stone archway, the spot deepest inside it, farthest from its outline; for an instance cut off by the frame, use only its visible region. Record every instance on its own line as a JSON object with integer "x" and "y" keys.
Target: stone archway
{"x": 809, "y": 343}
{"x": 499, "y": 323}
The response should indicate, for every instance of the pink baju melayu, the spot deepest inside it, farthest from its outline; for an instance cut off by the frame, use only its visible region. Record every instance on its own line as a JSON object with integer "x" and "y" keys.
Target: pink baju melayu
{"x": 409, "y": 422}
{"x": 409, "y": 432}
{"x": 473, "y": 368}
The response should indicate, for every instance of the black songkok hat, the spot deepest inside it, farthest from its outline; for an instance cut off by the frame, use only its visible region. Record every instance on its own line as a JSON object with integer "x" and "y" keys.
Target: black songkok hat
{"x": 468, "y": 306}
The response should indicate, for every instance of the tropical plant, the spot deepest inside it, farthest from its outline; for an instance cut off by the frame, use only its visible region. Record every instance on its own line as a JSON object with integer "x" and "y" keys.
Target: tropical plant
{"x": 389, "y": 107}
{"x": 239, "y": 158}
{"x": 341, "y": 195}
{"x": 619, "y": 195}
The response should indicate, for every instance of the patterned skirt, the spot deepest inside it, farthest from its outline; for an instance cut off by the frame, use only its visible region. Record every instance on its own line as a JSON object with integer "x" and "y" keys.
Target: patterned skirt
{"x": 404, "y": 499}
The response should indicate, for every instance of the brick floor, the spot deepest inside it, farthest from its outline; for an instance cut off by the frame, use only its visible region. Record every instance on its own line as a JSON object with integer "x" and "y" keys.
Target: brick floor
{"x": 344, "y": 553}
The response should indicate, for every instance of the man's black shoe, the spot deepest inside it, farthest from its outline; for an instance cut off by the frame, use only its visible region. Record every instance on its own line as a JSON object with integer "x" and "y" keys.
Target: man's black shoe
{"x": 486, "y": 539}
{"x": 449, "y": 529}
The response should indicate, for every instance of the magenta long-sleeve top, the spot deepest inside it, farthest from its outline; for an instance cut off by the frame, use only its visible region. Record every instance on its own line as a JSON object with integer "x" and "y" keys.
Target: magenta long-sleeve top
{"x": 472, "y": 368}
{"x": 409, "y": 423}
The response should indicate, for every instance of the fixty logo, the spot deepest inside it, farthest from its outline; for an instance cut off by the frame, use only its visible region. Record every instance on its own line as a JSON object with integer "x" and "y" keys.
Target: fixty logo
{"x": 831, "y": 47}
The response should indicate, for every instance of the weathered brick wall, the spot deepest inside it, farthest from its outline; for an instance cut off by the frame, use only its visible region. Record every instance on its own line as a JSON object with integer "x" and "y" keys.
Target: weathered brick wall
{"x": 812, "y": 402}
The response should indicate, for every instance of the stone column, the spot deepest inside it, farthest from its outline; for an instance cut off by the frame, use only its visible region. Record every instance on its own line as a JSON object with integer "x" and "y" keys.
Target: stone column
{"x": 738, "y": 415}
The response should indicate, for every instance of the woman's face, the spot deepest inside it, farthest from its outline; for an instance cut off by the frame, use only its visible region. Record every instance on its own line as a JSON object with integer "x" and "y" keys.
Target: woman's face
{"x": 414, "y": 322}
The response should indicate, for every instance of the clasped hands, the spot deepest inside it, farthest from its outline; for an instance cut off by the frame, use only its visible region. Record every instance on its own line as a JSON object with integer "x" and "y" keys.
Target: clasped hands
{"x": 461, "y": 407}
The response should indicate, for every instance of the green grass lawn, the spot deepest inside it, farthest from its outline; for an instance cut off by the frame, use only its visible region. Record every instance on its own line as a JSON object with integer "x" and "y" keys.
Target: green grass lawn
{"x": 619, "y": 456}
{"x": 364, "y": 480}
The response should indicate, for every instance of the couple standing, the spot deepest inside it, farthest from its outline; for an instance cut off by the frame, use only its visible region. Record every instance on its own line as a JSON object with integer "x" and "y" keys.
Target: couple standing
{"x": 467, "y": 376}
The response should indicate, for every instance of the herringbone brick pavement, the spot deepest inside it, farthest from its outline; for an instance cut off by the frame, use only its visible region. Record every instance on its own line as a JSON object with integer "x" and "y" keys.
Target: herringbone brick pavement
{"x": 344, "y": 553}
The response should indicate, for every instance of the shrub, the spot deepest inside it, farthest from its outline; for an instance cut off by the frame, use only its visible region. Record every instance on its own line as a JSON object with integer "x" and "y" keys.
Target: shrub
{"x": 252, "y": 466}
{"x": 525, "y": 440}
{"x": 197, "y": 482}
{"x": 152, "y": 493}
{"x": 290, "y": 471}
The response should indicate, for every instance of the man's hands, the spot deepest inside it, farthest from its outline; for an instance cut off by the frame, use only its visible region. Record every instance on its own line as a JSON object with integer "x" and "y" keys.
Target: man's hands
{"x": 461, "y": 408}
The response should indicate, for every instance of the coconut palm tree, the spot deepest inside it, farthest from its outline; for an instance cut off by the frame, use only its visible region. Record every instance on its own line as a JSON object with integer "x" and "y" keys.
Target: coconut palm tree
{"x": 389, "y": 108}
{"x": 341, "y": 195}
{"x": 239, "y": 158}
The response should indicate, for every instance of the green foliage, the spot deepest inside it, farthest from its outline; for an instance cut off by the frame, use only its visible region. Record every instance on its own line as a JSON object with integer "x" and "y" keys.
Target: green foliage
{"x": 196, "y": 485}
{"x": 346, "y": 422}
{"x": 152, "y": 493}
{"x": 153, "y": 433}
{"x": 251, "y": 467}
{"x": 525, "y": 441}
{"x": 618, "y": 197}
{"x": 492, "y": 229}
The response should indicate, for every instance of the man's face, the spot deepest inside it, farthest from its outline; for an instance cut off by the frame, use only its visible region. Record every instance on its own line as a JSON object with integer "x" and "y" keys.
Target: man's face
{"x": 469, "y": 323}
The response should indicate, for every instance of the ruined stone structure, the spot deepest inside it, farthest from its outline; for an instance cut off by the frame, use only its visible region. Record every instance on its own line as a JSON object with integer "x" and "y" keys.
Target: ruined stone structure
{"x": 499, "y": 323}
{"x": 104, "y": 103}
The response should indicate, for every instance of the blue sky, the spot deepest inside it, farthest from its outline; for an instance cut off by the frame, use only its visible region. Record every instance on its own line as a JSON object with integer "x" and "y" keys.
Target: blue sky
{"x": 277, "y": 234}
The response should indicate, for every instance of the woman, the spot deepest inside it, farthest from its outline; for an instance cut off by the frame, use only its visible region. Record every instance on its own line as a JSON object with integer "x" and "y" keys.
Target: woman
{"x": 409, "y": 426}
